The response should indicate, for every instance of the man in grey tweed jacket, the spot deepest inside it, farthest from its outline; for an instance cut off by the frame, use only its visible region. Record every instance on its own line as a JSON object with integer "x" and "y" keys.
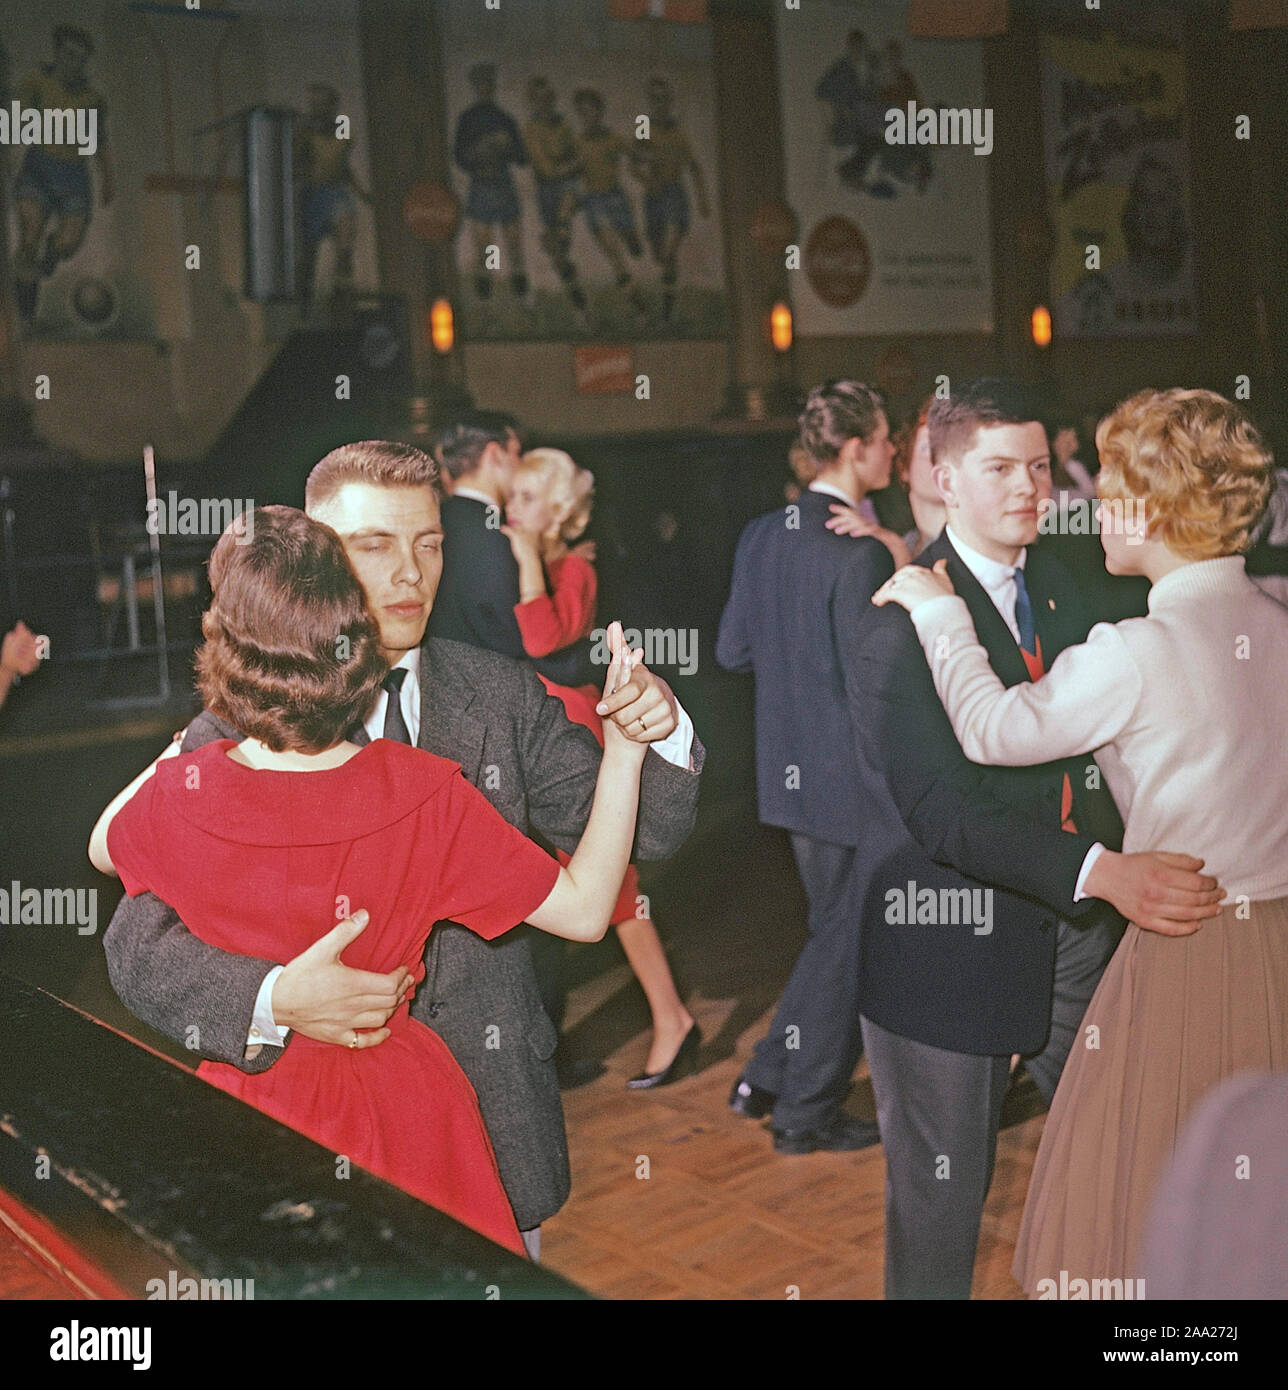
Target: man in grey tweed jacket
{"x": 514, "y": 742}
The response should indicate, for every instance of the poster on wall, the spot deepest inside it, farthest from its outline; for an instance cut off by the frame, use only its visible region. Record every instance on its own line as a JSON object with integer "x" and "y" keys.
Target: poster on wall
{"x": 70, "y": 273}
{"x": 105, "y": 150}
{"x": 886, "y": 144}
{"x": 584, "y": 159}
{"x": 1117, "y": 170}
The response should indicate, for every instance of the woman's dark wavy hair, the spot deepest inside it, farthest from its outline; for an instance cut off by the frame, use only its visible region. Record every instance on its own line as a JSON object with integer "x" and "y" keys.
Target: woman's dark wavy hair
{"x": 292, "y": 654}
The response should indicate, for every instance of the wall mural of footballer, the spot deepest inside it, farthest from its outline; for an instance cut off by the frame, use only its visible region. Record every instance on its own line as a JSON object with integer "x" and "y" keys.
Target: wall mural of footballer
{"x": 52, "y": 194}
{"x": 584, "y": 178}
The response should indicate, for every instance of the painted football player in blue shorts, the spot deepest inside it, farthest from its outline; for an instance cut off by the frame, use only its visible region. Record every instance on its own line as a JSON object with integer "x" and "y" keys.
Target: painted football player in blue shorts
{"x": 660, "y": 164}
{"x": 556, "y": 168}
{"x": 486, "y": 144}
{"x": 52, "y": 192}
{"x": 326, "y": 189}
{"x": 609, "y": 215}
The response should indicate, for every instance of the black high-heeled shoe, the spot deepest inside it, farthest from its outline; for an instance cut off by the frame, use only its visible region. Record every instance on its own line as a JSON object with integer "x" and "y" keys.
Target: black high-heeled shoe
{"x": 684, "y": 1061}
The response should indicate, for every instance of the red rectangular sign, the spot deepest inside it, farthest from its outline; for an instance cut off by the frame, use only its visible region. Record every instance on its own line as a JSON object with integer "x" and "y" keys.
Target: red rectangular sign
{"x": 603, "y": 371}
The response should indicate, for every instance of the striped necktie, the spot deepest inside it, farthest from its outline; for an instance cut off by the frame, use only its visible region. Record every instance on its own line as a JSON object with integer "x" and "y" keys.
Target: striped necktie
{"x": 1024, "y": 614}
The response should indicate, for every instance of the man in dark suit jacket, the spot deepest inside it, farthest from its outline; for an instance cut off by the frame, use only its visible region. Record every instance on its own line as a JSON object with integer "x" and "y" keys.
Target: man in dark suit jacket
{"x": 968, "y": 875}
{"x": 514, "y": 742}
{"x": 480, "y": 587}
{"x": 779, "y": 625}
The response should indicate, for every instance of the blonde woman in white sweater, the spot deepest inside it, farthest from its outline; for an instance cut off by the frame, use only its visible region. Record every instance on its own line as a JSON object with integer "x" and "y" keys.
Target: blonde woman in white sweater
{"x": 1184, "y": 712}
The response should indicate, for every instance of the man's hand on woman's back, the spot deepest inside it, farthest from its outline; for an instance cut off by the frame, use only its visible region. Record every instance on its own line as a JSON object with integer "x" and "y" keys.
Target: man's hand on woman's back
{"x": 318, "y": 995}
{"x": 1157, "y": 891}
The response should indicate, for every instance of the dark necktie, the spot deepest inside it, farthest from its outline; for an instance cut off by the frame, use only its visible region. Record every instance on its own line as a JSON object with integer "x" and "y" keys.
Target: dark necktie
{"x": 395, "y": 725}
{"x": 1024, "y": 614}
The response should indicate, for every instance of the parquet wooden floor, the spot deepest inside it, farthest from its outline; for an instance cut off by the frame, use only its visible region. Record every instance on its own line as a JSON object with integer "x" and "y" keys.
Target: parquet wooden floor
{"x": 673, "y": 1196}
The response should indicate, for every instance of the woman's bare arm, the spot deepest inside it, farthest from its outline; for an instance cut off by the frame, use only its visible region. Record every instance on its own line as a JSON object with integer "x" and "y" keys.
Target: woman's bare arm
{"x": 98, "y": 855}
{"x": 579, "y": 905}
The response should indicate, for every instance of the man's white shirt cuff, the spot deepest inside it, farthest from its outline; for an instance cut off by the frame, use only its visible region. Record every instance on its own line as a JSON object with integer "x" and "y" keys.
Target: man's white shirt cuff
{"x": 264, "y": 1027}
{"x": 1093, "y": 854}
{"x": 677, "y": 746}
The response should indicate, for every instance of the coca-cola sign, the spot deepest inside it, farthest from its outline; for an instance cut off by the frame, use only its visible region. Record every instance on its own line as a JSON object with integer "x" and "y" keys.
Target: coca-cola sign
{"x": 838, "y": 262}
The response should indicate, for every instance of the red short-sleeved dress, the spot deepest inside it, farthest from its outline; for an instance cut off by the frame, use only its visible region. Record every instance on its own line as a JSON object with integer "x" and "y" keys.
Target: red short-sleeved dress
{"x": 263, "y": 863}
{"x": 557, "y": 620}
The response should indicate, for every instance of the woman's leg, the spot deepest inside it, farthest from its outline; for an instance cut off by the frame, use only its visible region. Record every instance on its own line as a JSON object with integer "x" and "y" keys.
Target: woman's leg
{"x": 671, "y": 1020}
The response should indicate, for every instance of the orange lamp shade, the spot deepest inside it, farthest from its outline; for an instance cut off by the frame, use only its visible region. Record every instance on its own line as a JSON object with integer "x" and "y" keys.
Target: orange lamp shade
{"x": 442, "y": 325}
{"x": 1041, "y": 326}
{"x": 780, "y": 327}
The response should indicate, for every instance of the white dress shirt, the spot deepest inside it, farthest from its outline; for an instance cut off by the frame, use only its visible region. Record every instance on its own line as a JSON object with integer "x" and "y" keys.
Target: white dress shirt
{"x": 676, "y": 748}
{"x": 477, "y": 496}
{"x": 996, "y": 579}
{"x": 998, "y": 582}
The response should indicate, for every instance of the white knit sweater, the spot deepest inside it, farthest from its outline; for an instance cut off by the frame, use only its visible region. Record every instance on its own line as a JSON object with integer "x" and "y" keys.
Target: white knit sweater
{"x": 1186, "y": 711}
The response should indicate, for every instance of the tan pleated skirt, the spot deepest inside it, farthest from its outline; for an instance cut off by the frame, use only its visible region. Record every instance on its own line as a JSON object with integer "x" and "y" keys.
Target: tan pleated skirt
{"x": 1171, "y": 1018}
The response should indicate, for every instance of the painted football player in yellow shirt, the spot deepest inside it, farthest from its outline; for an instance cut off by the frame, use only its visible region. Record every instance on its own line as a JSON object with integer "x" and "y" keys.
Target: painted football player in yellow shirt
{"x": 52, "y": 193}
{"x": 660, "y": 164}
{"x": 608, "y": 213}
{"x": 556, "y": 166}
{"x": 326, "y": 185}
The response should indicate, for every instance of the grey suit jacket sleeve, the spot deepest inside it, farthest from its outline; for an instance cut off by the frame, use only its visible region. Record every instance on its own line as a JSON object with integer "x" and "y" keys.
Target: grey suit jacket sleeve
{"x": 561, "y": 765}
{"x": 174, "y": 981}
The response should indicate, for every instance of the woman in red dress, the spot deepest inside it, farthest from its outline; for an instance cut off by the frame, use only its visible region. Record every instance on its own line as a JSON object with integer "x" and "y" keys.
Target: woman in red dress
{"x": 549, "y": 504}
{"x": 256, "y": 843}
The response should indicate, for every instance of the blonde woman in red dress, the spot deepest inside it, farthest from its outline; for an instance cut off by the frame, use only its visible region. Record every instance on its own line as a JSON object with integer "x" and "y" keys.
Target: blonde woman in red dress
{"x": 549, "y": 505}
{"x": 257, "y": 843}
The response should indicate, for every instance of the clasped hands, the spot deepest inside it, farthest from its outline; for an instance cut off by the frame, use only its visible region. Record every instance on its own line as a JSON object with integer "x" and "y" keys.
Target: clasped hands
{"x": 20, "y": 651}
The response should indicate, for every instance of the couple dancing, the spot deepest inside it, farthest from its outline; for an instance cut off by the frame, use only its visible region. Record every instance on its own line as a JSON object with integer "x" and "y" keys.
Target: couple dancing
{"x": 1180, "y": 709}
{"x": 519, "y": 589}
{"x": 290, "y": 805}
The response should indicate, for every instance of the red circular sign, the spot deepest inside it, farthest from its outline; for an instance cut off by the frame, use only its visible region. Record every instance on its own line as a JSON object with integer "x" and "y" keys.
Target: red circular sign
{"x": 838, "y": 262}
{"x": 773, "y": 227}
{"x": 430, "y": 211}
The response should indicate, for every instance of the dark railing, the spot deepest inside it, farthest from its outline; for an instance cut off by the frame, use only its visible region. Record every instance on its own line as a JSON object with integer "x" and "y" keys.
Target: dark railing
{"x": 147, "y": 1177}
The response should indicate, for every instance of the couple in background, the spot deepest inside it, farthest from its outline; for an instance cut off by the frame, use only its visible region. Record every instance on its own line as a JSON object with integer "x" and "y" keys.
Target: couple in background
{"x": 940, "y": 1002}
{"x": 513, "y": 742}
{"x": 519, "y": 590}
{"x": 549, "y": 506}
{"x": 1174, "y": 705}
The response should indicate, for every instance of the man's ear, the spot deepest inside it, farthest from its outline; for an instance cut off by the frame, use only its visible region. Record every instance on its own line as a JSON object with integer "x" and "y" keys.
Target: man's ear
{"x": 942, "y": 475}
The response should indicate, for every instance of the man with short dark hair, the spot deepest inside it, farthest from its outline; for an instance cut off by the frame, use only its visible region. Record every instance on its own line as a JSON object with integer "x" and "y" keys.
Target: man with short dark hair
{"x": 778, "y": 626}
{"x": 515, "y": 743}
{"x": 480, "y": 586}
